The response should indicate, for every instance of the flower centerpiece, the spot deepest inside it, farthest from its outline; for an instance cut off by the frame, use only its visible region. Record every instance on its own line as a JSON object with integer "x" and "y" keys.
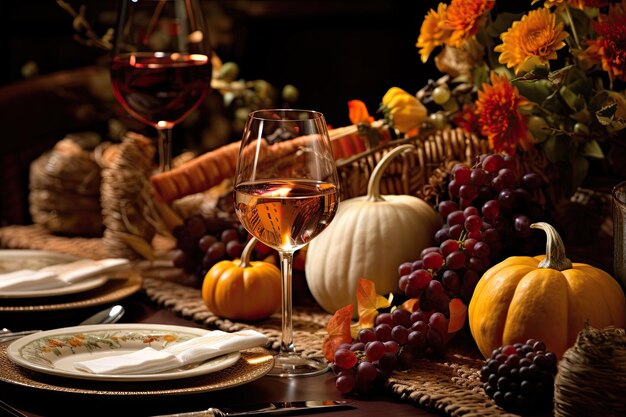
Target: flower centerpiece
{"x": 551, "y": 77}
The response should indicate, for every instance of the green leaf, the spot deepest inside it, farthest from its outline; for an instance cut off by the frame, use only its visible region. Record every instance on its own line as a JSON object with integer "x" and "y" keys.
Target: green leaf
{"x": 552, "y": 103}
{"x": 534, "y": 90}
{"x": 560, "y": 148}
{"x": 502, "y": 23}
{"x": 592, "y": 150}
{"x": 480, "y": 75}
{"x": 571, "y": 99}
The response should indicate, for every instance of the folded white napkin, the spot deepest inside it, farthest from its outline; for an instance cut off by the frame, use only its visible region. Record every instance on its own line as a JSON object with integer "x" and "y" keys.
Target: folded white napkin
{"x": 55, "y": 276}
{"x": 150, "y": 360}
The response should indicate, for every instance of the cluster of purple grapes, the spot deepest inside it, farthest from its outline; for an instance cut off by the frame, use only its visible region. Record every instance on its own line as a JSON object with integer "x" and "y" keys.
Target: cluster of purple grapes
{"x": 487, "y": 217}
{"x": 396, "y": 341}
{"x": 202, "y": 241}
{"x": 520, "y": 377}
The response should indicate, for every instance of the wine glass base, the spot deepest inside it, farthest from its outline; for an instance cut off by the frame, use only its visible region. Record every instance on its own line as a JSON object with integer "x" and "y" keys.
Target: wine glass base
{"x": 291, "y": 365}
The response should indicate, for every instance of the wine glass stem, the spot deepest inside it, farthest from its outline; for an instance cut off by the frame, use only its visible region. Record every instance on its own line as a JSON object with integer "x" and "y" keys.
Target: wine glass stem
{"x": 286, "y": 267}
{"x": 165, "y": 149}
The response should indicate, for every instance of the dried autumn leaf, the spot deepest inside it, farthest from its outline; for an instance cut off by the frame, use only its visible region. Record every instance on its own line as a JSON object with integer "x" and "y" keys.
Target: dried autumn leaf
{"x": 409, "y": 305}
{"x": 458, "y": 312}
{"x": 338, "y": 332}
{"x": 358, "y": 112}
{"x": 368, "y": 302}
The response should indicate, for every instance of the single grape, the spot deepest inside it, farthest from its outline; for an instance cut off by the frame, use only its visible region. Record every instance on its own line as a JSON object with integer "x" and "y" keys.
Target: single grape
{"x": 491, "y": 209}
{"x": 405, "y": 268}
{"x": 446, "y": 207}
{"x": 366, "y": 372}
{"x": 478, "y": 176}
{"x": 366, "y": 335}
{"x": 473, "y": 223}
{"x": 401, "y": 317}
{"x": 456, "y": 217}
{"x": 493, "y": 163}
{"x": 234, "y": 249}
{"x": 448, "y": 247}
{"x": 531, "y": 181}
{"x": 433, "y": 260}
{"x": 456, "y": 260}
{"x": 374, "y": 350}
{"x": 345, "y": 383}
{"x": 383, "y": 332}
{"x": 216, "y": 251}
{"x": 384, "y": 318}
{"x": 345, "y": 358}
{"x": 228, "y": 235}
{"x": 399, "y": 334}
{"x": 205, "y": 242}
{"x": 522, "y": 225}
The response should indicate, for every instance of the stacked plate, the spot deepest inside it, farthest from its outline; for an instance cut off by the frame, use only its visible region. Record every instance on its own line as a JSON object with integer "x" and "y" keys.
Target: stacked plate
{"x": 46, "y": 360}
{"x": 99, "y": 289}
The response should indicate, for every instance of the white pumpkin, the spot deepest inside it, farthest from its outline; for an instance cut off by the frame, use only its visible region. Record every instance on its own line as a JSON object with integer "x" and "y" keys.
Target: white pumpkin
{"x": 369, "y": 237}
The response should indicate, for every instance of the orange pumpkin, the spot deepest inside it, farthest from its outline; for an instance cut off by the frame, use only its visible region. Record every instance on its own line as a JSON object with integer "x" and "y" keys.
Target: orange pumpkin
{"x": 545, "y": 297}
{"x": 242, "y": 290}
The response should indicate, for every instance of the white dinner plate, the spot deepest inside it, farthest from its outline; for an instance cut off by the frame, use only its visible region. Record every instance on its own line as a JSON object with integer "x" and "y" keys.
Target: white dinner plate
{"x": 13, "y": 260}
{"x": 55, "y": 351}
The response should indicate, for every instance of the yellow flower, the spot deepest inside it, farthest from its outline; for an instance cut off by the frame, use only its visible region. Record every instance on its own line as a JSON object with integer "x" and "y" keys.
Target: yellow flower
{"x": 464, "y": 17}
{"x": 531, "y": 41}
{"x": 432, "y": 32}
{"x": 499, "y": 118}
{"x": 403, "y": 110}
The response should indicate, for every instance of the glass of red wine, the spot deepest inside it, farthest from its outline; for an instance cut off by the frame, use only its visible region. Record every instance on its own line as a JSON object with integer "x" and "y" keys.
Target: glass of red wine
{"x": 286, "y": 193}
{"x": 161, "y": 64}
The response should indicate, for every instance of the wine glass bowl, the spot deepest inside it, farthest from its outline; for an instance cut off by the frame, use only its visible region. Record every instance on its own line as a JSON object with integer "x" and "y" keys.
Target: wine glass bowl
{"x": 161, "y": 64}
{"x": 285, "y": 194}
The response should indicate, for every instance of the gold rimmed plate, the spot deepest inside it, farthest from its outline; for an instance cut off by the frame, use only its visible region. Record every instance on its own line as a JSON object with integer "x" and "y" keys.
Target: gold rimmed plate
{"x": 252, "y": 365}
{"x": 55, "y": 351}
{"x": 119, "y": 285}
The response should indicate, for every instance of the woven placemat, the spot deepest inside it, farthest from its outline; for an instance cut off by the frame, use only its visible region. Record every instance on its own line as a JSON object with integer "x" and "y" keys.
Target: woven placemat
{"x": 450, "y": 386}
{"x": 38, "y": 237}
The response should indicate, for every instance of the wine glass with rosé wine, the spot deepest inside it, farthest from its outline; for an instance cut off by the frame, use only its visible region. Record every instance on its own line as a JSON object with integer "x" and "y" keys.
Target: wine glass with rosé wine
{"x": 161, "y": 64}
{"x": 285, "y": 194}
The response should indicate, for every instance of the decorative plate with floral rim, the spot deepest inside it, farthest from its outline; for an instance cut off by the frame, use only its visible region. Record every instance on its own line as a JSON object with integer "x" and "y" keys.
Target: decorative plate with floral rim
{"x": 55, "y": 351}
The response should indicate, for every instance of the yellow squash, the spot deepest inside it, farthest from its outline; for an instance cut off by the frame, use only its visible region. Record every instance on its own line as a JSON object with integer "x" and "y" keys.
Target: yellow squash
{"x": 242, "y": 290}
{"x": 546, "y": 298}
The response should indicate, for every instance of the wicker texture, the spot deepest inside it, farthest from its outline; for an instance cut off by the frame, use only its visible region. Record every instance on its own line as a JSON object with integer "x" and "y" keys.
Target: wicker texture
{"x": 592, "y": 375}
{"x": 450, "y": 387}
{"x": 411, "y": 172}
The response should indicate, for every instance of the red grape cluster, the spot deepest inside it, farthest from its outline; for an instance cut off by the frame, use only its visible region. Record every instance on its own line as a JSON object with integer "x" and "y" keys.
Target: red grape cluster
{"x": 520, "y": 377}
{"x": 201, "y": 242}
{"x": 396, "y": 341}
{"x": 487, "y": 217}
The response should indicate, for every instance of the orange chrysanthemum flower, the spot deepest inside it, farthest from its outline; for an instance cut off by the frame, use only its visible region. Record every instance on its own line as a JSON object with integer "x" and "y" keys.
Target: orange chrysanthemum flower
{"x": 609, "y": 48}
{"x": 432, "y": 32}
{"x": 464, "y": 17}
{"x": 531, "y": 41}
{"x": 498, "y": 114}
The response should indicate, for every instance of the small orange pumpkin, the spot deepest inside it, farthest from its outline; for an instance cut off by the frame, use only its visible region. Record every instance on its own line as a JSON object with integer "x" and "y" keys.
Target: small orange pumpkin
{"x": 546, "y": 297}
{"x": 243, "y": 290}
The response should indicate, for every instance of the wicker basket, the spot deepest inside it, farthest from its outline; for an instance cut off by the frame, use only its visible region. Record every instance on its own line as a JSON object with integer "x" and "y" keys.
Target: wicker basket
{"x": 419, "y": 172}
{"x": 592, "y": 375}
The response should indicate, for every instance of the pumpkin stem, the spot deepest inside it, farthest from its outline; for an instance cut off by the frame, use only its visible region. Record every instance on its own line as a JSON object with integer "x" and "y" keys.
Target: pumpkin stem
{"x": 373, "y": 186}
{"x": 247, "y": 252}
{"x": 555, "y": 250}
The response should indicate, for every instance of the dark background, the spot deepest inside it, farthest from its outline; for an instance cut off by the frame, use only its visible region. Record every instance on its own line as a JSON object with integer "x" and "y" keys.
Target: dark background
{"x": 333, "y": 51}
